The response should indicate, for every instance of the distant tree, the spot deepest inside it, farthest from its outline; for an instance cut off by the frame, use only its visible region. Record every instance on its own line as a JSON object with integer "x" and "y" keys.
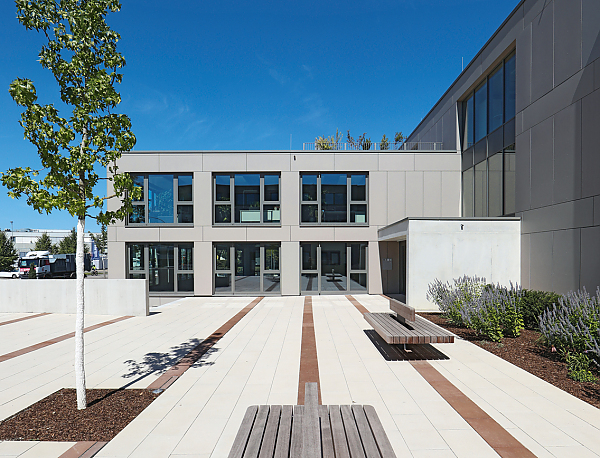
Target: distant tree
{"x": 43, "y": 243}
{"x": 68, "y": 245}
{"x": 385, "y": 143}
{"x": 100, "y": 240}
{"x": 398, "y": 140}
{"x": 8, "y": 253}
{"x": 328, "y": 143}
{"x": 32, "y": 273}
{"x": 80, "y": 50}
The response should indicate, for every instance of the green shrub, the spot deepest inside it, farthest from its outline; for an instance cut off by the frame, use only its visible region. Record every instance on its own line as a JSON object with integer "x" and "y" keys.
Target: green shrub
{"x": 32, "y": 273}
{"x": 533, "y": 304}
{"x": 578, "y": 367}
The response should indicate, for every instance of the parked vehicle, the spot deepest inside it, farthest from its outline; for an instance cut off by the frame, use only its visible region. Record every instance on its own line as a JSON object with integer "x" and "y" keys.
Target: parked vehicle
{"x": 10, "y": 274}
{"x": 48, "y": 265}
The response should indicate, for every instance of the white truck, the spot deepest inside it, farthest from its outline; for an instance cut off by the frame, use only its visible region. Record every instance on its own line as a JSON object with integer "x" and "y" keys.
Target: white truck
{"x": 50, "y": 265}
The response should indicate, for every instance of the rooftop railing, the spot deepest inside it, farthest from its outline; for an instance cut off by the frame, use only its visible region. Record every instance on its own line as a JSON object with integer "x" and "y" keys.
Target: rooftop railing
{"x": 373, "y": 146}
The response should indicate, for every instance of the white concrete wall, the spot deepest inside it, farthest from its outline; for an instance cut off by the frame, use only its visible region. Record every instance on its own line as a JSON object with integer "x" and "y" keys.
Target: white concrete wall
{"x": 447, "y": 249}
{"x": 102, "y": 297}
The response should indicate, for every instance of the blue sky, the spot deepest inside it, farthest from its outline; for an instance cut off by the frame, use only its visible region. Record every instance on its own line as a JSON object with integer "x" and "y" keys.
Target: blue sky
{"x": 248, "y": 74}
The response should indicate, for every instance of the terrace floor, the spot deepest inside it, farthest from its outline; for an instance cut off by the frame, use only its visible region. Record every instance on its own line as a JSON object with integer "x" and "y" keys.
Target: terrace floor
{"x": 262, "y": 359}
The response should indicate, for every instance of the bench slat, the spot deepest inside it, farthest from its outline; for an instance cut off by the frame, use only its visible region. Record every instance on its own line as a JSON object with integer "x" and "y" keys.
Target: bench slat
{"x": 267, "y": 448}
{"x": 258, "y": 429}
{"x": 241, "y": 439}
{"x": 383, "y": 443}
{"x": 337, "y": 431}
{"x": 297, "y": 418}
{"x": 394, "y": 332}
{"x": 366, "y": 435}
{"x": 356, "y": 450}
{"x": 326, "y": 437}
{"x": 311, "y": 434}
{"x": 405, "y": 311}
{"x": 282, "y": 447}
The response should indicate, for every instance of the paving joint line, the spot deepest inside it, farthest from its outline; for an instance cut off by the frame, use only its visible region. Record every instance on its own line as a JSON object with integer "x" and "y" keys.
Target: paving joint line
{"x": 84, "y": 449}
{"x": 498, "y": 438}
{"x": 309, "y": 363}
{"x": 24, "y": 318}
{"x": 58, "y": 339}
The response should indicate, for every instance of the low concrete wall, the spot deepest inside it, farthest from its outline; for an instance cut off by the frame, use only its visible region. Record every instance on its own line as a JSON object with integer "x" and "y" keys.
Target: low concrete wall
{"x": 102, "y": 297}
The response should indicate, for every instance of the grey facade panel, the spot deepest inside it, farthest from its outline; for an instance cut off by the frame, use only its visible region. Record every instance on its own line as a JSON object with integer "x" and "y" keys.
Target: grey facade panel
{"x": 567, "y": 153}
{"x": 542, "y": 53}
{"x": 597, "y": 211}
{"x": 567, "y": 39}
{"x": 590, "y": 144}
{"x": 590, "y": 35}
{"x": 523, "y": 81}
{"x": 540, "y": 270}
{"x": 522, "y": 175}
{"x": 568, "y": 215}
{"x": 448, "y": 136}
{"x": 565, "y": 260}
{"x": 590, "y": 261}
{"x": 542, "y": 161}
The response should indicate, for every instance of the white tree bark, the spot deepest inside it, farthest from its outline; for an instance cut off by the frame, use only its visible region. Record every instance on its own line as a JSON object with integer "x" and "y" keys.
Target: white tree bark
{"x": 79, "y": 321}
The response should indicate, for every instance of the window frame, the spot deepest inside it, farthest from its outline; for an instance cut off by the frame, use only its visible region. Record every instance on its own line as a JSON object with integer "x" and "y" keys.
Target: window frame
{"x": 231, "y": 202}
{"x": 176, "y": 202}
{"x": 349, "y": 201}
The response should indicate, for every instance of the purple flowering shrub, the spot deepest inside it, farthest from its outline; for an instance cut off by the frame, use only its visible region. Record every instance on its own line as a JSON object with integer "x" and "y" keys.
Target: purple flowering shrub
{"x": 451, "y": 299}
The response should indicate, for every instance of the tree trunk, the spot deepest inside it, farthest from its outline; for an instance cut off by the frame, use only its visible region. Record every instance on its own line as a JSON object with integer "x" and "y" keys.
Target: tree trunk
{"x": 79, "y": 365}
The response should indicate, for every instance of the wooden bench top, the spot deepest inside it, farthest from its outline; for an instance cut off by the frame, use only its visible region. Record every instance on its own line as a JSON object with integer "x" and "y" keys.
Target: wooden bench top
{"x": 311, "y": 431}
{"x": 420, "y": 331}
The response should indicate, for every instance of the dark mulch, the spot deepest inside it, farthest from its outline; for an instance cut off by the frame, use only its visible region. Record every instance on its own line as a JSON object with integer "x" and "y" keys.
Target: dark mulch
{"x": 56, "y": 418}
{"x": 527, "y": 353}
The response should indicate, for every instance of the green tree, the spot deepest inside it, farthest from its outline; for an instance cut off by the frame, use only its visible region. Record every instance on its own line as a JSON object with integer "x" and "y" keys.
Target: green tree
{"x": 398, "y": 140}
{"x": 43, "y": 243}
{"x": 8, "y": 253}
{"x": 80, "y": 50}
{"x": 68, "y": 245}
{"x": 101, "y": 240}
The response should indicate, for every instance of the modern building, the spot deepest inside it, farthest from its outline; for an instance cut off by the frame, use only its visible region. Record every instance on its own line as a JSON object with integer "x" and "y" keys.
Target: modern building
{"x": 505, "y": 166}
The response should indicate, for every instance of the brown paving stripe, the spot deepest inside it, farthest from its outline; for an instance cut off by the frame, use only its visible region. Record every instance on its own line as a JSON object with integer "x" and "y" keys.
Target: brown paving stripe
{"x": 175, "y": 371}
{"x": 31, "y": 348}
{"x": 309, "y": 364}
{"x": 24, "y": 318}
{"x": 495, "y": 435}
{"x": 86, "y": 449}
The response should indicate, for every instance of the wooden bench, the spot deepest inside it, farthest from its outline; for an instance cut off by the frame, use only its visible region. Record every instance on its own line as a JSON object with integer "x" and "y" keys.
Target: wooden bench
{"x": 406, "y": 327}
{"x": 311, "y": 431}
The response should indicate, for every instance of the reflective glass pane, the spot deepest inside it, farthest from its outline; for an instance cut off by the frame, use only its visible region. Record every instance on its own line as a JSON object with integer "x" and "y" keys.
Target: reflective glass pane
{"x": 509, "y": 180}
{"x": 309, "y": 187}
{"x": 184, "y": 191}
{"x": 247, "y": 267}
{"x": 136, "y": 257}
{"x": 309, "y": 256}
{"x": 310, "y": 213}
{"x": 333, "y": 267}
{"x": 271, "y": 283}
{"x": 138, "y": 182}
{"x": 161, "y": 270}
{"x": 223, "y": 189}
{"x": 160, "y": 199}
{"x": 480, "y": 202}
{"x": 184, "y": 255}
{"x": 481, "y": 112}
{"x": 495, "y": 185}
{"x": 137, "y": 275}
{"x": 467, "y": 192}
{"x": 222, "y": 213}
{"x": 185, "y": 282}
{"x": 222, "y": 257}
{"x": 138, "y": 214}
{"x": 222, "y": 283}
{"x": 309, "y": 282}
{"x": 496, "y": 99}
{"x": 469, "y": 133}
{"x": 271, "y": 193}
{"x": 358, "y": 282}
{"x": 358, "y": 187}
{"x": 334, "y": 196}
{"x": 358, "y": 213}
{"x": 358, "y": 256}
{"x": 271, "y": 214}
{"x": 247, "y": 198}
{"x": 185, "y": 214}
{"x": 510, "y": 94}
{"x": 272, "y": 257}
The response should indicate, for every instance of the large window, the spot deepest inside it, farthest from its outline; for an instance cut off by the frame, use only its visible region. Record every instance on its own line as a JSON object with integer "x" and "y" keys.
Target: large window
{"x": 246, "y": 199}
{"x": 334, "y": 198}
{"x": 333, "y": 267}
{"x": 166, "y": 199}
{"x": 246, "y": 268}
{"x": 168, "y": 267}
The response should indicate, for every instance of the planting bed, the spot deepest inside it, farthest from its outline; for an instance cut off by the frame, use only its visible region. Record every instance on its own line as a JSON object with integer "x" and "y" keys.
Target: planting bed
{"x": 56, "y": 418}
{"x": 526, "y": 353}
